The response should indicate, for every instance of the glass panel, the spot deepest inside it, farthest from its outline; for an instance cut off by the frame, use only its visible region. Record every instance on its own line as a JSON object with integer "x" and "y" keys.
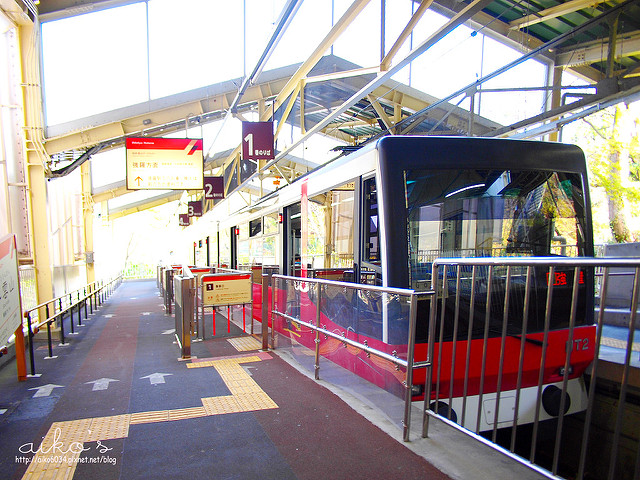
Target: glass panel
{"x": 225, "y": 247}
{"x": 243, "y": 253}
{"x": 379, "y": 320}
{"x": 486, "y": 213}
{"x": 213, "y": 249}
{"x": 491, "y": 213}
{"x": 255, "y": 227}
{"x": 255, "y": 251}
{"x": 271, "y": 224}
{"x": 269, "y": 251}
{"x": 243, "y": 231}
{"x": 330, "y": 237}
{"x": 371, "y": 242}
{"x": 117, "y": 80}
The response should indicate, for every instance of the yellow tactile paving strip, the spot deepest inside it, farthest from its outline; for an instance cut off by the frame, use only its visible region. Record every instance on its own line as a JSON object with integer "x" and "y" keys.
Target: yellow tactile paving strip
{"x": 245, "y": 344}
{"x": 60, "y": 450}
{"x": 614, "y": 342}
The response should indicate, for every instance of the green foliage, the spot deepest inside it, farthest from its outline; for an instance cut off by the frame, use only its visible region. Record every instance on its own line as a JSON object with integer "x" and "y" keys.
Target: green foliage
{"x": 610, "y": 141}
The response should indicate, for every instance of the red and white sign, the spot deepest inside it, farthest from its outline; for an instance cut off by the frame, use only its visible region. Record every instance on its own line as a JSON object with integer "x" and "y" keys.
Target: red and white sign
{"x": 226, "y": 289}
{"x": 164, "y": 163}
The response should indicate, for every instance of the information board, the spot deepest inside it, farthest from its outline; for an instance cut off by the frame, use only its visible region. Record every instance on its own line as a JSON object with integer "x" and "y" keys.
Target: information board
{"x": 165, "y": 164}
{"x": 226, "y": 289}
{"x": 10, "y": 309}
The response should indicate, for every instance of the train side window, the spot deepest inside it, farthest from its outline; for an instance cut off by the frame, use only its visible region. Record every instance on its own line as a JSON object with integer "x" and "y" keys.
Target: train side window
{"x": 270, "y": 224}
{"x": 370, "y": 266}
{"x": 255, "y": 227}
{"x": 330, "y": 233}
{"x": 371, "y": 242}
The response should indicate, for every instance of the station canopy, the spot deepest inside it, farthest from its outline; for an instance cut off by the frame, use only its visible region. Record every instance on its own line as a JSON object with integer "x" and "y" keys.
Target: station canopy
{"x": 346, "y": 104}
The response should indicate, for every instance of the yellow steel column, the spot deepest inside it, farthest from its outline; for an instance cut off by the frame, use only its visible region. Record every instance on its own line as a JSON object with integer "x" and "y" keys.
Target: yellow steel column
{"x": 87, "y": 220}
{"x": 37, "y": 198}
{"x": 556, "y": 97}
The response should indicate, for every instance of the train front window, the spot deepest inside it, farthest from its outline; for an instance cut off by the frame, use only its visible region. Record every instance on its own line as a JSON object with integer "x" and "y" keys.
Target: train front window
{"x": 482, "y": 213}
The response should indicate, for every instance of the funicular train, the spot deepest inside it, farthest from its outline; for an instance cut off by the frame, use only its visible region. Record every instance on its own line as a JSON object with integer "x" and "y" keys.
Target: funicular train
{"x": 382, "y": 214}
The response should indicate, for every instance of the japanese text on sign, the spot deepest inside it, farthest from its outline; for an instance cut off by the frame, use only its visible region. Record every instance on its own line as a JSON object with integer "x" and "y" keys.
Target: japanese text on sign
{"x": 164, "y": 163}
{"x": 10, "y": 311}
{"x": 225, "y": 289}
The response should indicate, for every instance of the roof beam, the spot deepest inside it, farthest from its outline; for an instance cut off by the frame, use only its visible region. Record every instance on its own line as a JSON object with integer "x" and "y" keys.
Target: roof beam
{"x": 626, "y": 46}
{"x": 294, "y": 82}
{"x": 553, "y": 12}
{"x": 454, "y": 22}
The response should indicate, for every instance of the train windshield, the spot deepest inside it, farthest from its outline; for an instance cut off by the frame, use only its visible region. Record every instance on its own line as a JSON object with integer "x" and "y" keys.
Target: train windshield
{"x": 490, "y": 213}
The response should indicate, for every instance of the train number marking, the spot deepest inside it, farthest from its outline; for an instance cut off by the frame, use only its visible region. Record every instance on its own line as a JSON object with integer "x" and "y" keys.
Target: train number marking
{"x": 581, "y": 344}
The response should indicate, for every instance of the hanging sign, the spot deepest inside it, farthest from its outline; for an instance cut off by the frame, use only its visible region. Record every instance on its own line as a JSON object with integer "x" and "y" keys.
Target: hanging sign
{"x": 164, "y": 163}
{"x": 213, "y": 188}
{"x": 195, "y": 208}
{"x": 257, "y": 141}
{"x": 183, "y": 220}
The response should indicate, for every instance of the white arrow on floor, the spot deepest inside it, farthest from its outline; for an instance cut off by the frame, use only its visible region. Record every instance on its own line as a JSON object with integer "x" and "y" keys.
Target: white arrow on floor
{"x": 169, "y": 332}
{"x": 101, "y": 383}
{"x": 146, "y": 313}
{"x": 44, "y": 390}
{"x": 156, "y": 378}
{"x": 109, "y": 315}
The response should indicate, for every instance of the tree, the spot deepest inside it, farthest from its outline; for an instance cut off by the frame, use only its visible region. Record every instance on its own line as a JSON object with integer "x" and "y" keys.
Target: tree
{"x": 610, "y": 142}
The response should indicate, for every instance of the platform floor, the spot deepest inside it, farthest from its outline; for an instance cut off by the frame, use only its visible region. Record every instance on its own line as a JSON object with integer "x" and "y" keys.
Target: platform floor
{"x": 118, "y": 403}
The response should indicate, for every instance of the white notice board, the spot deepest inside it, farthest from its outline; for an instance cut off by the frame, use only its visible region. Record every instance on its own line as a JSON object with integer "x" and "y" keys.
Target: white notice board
{"x": 10, "y": 306}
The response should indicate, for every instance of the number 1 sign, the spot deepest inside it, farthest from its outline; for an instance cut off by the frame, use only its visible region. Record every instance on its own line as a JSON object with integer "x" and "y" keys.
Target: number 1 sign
{"x": 257, "y": 141}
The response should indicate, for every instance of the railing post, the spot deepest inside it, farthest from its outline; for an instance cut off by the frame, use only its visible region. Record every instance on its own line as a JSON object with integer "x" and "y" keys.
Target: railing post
{"x": 316, "y": 366}
{"x": 71, "y": 314}
{"x": 433, "y": 311}
{"x": 49, "y": 332}
{"x": 266, "y": 281}
{"x": 84, "y": 302}
{"x": 30, "y": 335}
{"x": 79, "y": 311}
{"x": 413, "y": 314}
{"x": 61, "y": 320}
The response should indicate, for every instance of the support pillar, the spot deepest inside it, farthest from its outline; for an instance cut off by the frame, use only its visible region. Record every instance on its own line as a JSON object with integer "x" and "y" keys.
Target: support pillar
{"x": 35, "y": 156}
{"x": 87, "y": 220}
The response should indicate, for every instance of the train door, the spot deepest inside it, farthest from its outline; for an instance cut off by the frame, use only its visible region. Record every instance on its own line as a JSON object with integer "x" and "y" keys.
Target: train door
{"x": 293, "y": 240}
{"x": 234, "y": 247}
{"x": 370, "y": 265}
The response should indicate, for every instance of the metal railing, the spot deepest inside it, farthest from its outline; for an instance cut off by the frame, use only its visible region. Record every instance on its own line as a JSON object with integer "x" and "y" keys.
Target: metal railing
{"x": 594, "y": 453}
{"x": 317, "y": 289}
{"x": 55, "y": 310}
{"x": 185, "y": 298}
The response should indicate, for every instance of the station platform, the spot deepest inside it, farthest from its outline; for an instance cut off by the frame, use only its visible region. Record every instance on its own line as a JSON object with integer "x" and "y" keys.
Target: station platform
{"x": 118, "y": 403}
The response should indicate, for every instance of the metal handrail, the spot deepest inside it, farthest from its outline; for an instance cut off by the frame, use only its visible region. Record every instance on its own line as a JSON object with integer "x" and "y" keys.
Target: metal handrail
{"x": 409, "y": 363}
{"x": 95, "y": 295}
{"x": 578, "y": 264}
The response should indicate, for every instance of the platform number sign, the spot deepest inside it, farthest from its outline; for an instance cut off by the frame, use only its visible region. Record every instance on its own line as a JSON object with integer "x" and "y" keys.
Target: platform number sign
{"x": 195, "y": 208}
{"x": 183, "y": 220}
{"x": 257, "y": 141}
{"x": 213, "y": 188}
